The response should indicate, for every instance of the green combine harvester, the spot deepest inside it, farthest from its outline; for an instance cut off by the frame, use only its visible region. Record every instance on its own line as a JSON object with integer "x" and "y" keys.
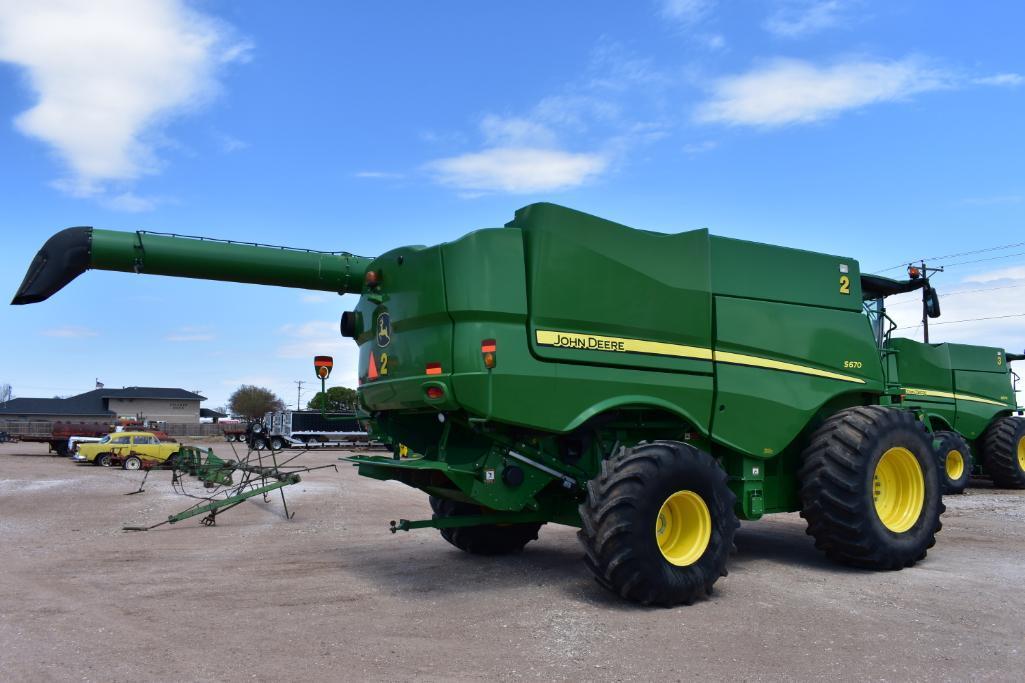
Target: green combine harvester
{"x": 650, "y": 389}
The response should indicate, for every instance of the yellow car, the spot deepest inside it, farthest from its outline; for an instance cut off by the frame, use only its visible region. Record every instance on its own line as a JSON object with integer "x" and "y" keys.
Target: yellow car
{"x": 129, "y": 449}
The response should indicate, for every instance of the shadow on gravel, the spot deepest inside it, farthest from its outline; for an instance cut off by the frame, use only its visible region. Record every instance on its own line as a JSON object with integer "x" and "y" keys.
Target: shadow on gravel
{"x": 785, "y": 545}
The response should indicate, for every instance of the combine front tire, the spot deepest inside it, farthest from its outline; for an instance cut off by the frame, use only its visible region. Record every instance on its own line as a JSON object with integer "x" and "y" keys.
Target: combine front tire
{"x": 658, "y": 523}
{"x": 870, "y": 488}
{"x": 954, "y": 458}
{"x": 1003, "y": 452}
{"x": 487, "y": 539}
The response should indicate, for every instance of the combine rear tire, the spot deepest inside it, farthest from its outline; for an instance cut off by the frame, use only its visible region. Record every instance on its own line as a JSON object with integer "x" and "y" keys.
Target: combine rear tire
{"x": 870, "y": 488}
{"x": 132, "y": 462}
{"x": 1003, "y": 452}
{"x": 658, "y": 523}
{"x": 488, "y": 539}
{"x": 954, "y": 457}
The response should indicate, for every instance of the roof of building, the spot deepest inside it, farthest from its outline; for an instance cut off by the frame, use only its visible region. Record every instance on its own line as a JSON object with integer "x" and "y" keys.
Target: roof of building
{"x": 209, "y": 412}
{"x": 91, "y": 403}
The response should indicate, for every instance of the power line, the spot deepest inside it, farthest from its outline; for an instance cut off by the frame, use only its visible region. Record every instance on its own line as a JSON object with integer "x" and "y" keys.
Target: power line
{"x": 967, "y": 320}
{"x": 957, "y": 292}
{"x": 963, "y": 253}
{"x": 980, "y": 260}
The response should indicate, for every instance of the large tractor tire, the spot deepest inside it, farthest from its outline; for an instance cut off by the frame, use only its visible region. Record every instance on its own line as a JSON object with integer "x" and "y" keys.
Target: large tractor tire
{"x": 1003, "y": 452}
{"x": 658, "y": 523}
{"x": 870, "y": 488}
{"x": 954, "y": 457}
{"x": 487, "y": 539}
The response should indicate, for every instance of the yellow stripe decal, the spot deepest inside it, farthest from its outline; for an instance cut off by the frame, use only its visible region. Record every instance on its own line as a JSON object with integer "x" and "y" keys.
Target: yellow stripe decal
{"x": 758, "y": 362}
{"x": 946, "y": 394}
{"x": 593, "y": 342}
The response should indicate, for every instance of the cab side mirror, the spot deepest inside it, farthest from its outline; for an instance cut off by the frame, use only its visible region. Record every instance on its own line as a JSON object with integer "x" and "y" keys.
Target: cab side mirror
{"x": 932, "y": 302}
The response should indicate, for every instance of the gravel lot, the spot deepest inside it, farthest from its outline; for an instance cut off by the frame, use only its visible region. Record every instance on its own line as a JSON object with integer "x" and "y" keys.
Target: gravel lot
{"x": 333, "y": 595}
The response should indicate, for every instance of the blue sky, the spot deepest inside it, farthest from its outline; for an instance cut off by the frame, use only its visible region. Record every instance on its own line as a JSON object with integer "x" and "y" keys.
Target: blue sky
{"x": 884, "y": 131}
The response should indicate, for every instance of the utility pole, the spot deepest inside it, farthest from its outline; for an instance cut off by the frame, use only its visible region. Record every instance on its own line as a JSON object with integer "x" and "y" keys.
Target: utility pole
{"x": 923, "y": 271}
{"x": 299, "y": 397}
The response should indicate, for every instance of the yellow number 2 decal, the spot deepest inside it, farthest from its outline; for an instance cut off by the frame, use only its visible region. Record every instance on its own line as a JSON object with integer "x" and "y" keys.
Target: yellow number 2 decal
{"x": 845, "y": 284}
{"x": 384, "y": 363}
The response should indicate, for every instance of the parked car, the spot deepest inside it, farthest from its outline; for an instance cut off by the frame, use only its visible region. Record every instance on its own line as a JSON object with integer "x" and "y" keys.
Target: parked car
{"x": 128, "y": 449}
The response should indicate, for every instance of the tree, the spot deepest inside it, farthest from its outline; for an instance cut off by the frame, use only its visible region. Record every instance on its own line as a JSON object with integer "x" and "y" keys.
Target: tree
{"x": 6, "y": 394}
{"x": 252, "y": 402}
{"x": 337, "y": 399}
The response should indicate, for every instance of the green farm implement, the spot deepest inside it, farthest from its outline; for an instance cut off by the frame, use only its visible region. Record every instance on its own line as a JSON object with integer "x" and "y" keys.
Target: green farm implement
{"x": 226, "y": 483}
{"x": 649, "y": 389}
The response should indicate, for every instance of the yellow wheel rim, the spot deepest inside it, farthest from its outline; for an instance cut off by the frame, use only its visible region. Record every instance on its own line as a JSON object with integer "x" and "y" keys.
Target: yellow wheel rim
{"x": 898, "y": 489}
{"x": 955, "y": 465}
{"x": 1021, "y": 453}
{"x": 683, "y": 528}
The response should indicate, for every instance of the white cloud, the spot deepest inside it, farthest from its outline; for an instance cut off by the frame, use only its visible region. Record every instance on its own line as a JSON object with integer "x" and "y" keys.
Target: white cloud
{"x": 130, "y": 202}
{"x": 500, "y": 131}
{"x": 694, "y": 148}
{"x": 378, "y": 175}
{"x": 190, "y": 334}
{"x": 517, "y": 170}
{"x": 106, "y": 73}
{"x": 70, "y": 332}
{"x": 1009, "y": 80}
{"x": 797, "y": 18}
{"x": 994, "y": 200}
{"x": 1012, "y": 273}
{"x": 787, "y": 91}
{"x": 321, "y": 338}
{"x": 687, "y": 12}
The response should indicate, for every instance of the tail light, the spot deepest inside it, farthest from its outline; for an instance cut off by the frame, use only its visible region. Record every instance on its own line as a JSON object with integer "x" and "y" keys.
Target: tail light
{"x": 434, "y": 392}
{"x": 489, "y": 352}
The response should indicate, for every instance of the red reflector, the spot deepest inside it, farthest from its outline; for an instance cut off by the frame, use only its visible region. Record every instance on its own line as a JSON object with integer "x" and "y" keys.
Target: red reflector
{"x": 433, "y": 368}
{"x": 435, "y": 392}
{"x": 488, "y": 346}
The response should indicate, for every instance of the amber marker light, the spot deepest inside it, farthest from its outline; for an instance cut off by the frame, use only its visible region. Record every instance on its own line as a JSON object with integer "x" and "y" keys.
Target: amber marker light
{"x": 433, "y": 369}
{"x": 488, "y": 350}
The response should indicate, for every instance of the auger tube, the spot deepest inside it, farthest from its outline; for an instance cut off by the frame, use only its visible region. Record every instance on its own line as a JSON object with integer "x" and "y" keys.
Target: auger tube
{"x": 71, "y": 252}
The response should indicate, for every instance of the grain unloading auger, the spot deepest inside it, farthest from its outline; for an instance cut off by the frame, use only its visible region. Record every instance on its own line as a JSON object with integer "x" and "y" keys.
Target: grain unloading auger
{"x": 649, "y": 389}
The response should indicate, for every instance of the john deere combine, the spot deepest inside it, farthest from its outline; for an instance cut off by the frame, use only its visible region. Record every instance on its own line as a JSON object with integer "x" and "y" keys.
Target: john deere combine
{"x": 650, "y": 389}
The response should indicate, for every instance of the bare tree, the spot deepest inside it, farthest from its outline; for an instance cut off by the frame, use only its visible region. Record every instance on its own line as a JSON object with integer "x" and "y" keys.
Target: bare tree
{"x": 6, "y": 393}
{"x": 253, "y": 402}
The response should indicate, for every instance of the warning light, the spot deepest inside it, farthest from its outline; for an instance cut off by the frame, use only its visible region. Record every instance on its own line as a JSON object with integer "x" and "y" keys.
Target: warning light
{"x": 489, "y": 349}
{"x": 322, "y": 366}
{"x": 435, "y": 393}
{"x": 914, "y": 272}
{"x": 433, "y": 369}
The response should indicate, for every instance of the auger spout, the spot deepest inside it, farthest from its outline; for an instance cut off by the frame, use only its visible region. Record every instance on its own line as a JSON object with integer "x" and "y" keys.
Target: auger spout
{"x": 71, "y": 252}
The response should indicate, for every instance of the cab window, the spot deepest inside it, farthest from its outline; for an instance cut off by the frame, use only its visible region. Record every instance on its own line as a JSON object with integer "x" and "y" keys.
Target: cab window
{"x": 140, "y": 440}
{"x": 120, "y": 439}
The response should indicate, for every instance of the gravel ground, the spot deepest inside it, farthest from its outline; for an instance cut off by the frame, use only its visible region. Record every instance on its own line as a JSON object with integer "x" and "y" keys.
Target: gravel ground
{"x": 332, "y": 595}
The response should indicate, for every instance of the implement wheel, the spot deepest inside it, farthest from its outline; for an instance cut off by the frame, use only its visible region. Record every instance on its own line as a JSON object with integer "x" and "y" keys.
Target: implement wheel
{"x": 870, "y": 488}
{"x": 132, "y": 463}
{"x": 488, "y": 539}
{"x": 658, "y": 523}
{"x": 1003, "y": 452}
{"x": 954, "y": 457}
